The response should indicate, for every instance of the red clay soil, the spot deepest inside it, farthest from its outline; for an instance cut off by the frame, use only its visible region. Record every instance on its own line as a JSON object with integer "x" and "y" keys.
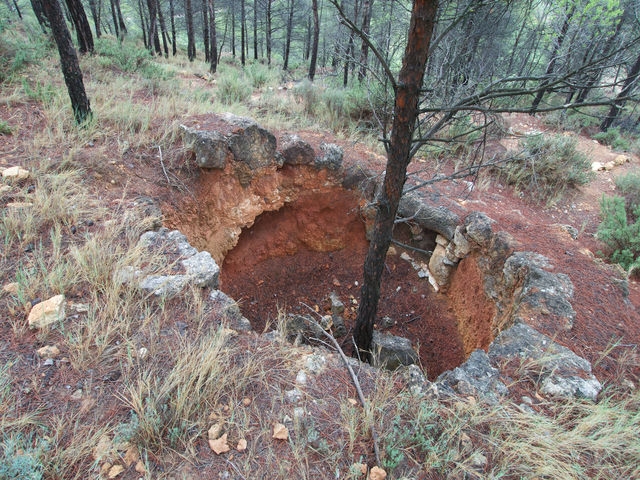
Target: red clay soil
{"x": 606, "y": 320}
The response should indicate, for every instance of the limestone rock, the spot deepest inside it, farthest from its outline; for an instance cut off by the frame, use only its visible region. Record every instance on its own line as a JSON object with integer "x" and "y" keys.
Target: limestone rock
{"x": 144, "y": 212}
{"x": 337, "y": 307}
{"x": 48, "y": 312}
{"x": 227, "y": 311}
{"x": 296, "y": 151}
{"x": 48, "y": 351}
{"x": 440, "y": 267}
{"x": 302, "y": 327}
{"x": 621, "y": 160}
{"x": 390, "y": 351}
{"x": 475, "y": 377}
{"x": 166, "y": 286}
{"x": 250, "y": 143}
{"x": 478, "y": 227}
{"x": 210, "y": 147}
{"x": 597, "y": 166}
{"x": 331, "y": 157}
{"x": 559, "y": 371}
{"x": 15, "y": 173}
{"x": 11, "y": 288}
{"x": 168, "y": 241}
{"x": 202, "y": 270}
{"x": 542, "y": 297}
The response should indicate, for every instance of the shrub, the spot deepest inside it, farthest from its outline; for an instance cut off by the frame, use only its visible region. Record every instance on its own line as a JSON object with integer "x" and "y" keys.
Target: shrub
{"x": 128, "y": 58}
{"x": 5, "y": 128}
{"x": 20, "y": 459}
{"x": 614, "y": 139}
{"x": 259, "y": 74}
{"x": 309, "y": 96}
{"x": 620, "y": 231}
{"x": 233, "y": 88}
{"x": 620, "y": 227}
{"x": 547, "y": 167}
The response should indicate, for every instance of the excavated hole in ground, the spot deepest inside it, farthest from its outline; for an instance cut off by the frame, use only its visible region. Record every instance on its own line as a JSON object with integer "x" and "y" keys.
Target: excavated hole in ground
{"x": 296, "y": 256}
{"x": 314, "y": 245}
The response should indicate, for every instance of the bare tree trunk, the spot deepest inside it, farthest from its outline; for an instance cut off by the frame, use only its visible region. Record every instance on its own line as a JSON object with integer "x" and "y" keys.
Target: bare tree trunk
{"x": 143, "y": 23}
{"x": 191, "y": 42}
{"x": 629, "y": 84}
{"x": 233, "y": 29}
{"x": 163, "y": 30}
{"x": 213, "y": 48}
{"x": 316, "y": 37}
{"x": 350, "y": 47}
{"x": 554, "y": 56}
{"x": 38, "y": 9}
{"x": 80, "y": 21}
{"x": 255, "y": 29}
{"x": 287, "y": 44}
{"x": 268, "y": 32}
{"x": 364, "y": 50}
{"x": 205, "y": 30}
{"x": 172, "y": 14}
{"x": 406, "y": 113}
{"x": 68, "y": 61}
{"x": 121, "y": 24}
{"x": 243, "y": 32}
{"x": 95, "y": 7}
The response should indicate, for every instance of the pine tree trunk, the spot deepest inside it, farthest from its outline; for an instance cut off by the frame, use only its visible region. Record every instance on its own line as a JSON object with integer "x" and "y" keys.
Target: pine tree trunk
{"x": 38, "y": 9}
{"x": 629, "y": 84}
{"x": 95, "y": 14}
{"x": 213, "y": 50}
{"x": 366, "y": 26}
{"x": 406, "y": 112}
{"x": 205, "y": 30}
{"x": 243, "y": 33}
{"x": 163, "y": 30}
{"x": 268, "y": 32}
{"x": 172, "y": 13}
{"x": 255, "y": 29}
{"x": 316, "y": 37}
{"x": 287, "y": 44}
{"x": 68, "y": 61}
{"x": 80, "y": 21}
{"x": 191, "y": 43}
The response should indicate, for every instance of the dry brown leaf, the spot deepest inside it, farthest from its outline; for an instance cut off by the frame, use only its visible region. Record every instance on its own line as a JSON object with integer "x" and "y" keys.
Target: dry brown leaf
{"x": 104, "y": 469}
{"x": 115, "y": 471}
{"x": 242, "y": 445}
{"x": 377, "y": 473}
{"x": 220, "y": 445}
{"x": 280, "y": 432}
{"x": 103, "y": 449}
{"x": 363, "y": 467}
{"x": 140, "y": 468}
{"x": 131, "y": 456}
{"x": 246, "y": 401}
{"x": 214, "y": 431}
{"x": 352, "y": 401}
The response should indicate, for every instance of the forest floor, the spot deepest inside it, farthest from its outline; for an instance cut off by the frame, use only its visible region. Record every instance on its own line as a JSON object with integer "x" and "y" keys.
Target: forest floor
{"x": 607, "y": 326}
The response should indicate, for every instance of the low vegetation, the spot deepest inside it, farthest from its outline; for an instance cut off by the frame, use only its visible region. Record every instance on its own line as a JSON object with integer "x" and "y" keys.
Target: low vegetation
{"x": 620, "y": 227}
{"x": 133, "y": 391}
{"x": 547, "y": 167}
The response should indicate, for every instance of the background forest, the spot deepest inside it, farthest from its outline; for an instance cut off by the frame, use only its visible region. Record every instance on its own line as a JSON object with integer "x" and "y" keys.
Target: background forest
{"x": 129, "y": 394}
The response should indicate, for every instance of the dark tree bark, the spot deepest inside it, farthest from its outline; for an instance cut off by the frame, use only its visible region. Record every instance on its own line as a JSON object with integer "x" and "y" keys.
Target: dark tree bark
{"x": 172, "y": 14}
{"x": 152, "y": 35}
{"x": 316, "y": 37}
{"x": 213, "y": 50}
{"x": 554, "y": 57}
{"x": 243, "y": 33}
{"x": 627, "y": 87}
{"x": 68, "y": 61}
{"x": 122, "y": 26}
{"x": 233, "y": 29}
{"x": 81, "y": 23}
{"x": 205, "y": 30}
{"x": 350, "y": 47}
{"x": 163, "y": 30}
{"x": 191, "y": 42}
{"x": 38, "y": 9}
{"x": 143, "y": 22}
{"x": 255, "y": 30}
{"x": 96, "y": 6}
{"x": 406, "y": 113}
{"x": 366, "y": 26}
{"x": 268, "y": 32}
{"x": 287, "y": 43}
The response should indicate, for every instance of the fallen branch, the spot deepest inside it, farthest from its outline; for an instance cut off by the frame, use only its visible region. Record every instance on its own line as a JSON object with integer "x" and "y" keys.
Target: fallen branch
{"x": 356, "y": 383}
